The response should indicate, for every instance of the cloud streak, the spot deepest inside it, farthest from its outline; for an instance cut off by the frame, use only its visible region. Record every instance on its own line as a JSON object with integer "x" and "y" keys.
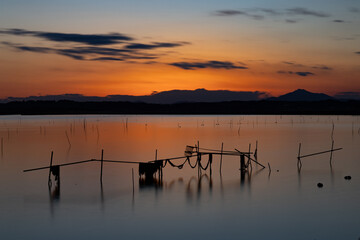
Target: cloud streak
{"x": 94, "y": 47}
{"x": 262, "y": 13}
{"x": 209, "y": 64}
{"x": 89, "y": 39}
{"x": 301, "y": 74}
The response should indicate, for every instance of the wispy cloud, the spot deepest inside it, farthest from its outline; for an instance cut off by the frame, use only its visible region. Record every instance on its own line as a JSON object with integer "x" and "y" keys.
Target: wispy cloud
{"x": 354, "y": 10}
{"x": 262, "y": 13}
{"x": 90, "y": 39}
{"x": 155, "y": 45}
{"x": 338, "y": 21}
{"x": 94, "y": 47}
{"x": 208, "y": 64}
{"x": 238, "y": 12}
{"x": 302, "y": 74}
{"x": 306, "y": 12}
{"x": 299, "y": 65}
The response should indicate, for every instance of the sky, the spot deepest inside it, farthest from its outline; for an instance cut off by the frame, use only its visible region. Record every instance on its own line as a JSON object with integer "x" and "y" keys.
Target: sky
{"x": 136, "y": 47}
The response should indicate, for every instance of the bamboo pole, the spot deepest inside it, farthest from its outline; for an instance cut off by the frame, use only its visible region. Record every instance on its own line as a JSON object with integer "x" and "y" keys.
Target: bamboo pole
{"x": 251, "y": 159}
{"x": 221, "y": 154}
{"x": 51, "y": 159}
{"x": 331, "y": 153}
{"x": 133, "y": 185}
{"x": 102, "y": 162}
{"x": 313, "y": 154}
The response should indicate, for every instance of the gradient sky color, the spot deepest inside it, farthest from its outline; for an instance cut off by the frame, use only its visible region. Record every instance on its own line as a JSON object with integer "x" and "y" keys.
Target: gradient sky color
{"x": 273, "y": 46}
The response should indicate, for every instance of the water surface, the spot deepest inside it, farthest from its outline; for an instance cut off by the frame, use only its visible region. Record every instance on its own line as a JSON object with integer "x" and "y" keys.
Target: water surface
{"x": 282, "y": 204}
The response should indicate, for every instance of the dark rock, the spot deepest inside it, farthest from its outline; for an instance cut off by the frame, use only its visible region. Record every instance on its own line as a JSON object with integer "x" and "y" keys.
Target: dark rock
{"x": 320, "y": 185}
{"x": 347, "y": 177}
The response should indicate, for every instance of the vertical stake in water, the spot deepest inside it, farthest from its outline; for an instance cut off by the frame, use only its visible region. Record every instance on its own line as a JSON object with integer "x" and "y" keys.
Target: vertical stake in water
{"x": 299, "y": 161}
{"x": 331, "y": 153}
{"x": 255, "y": 152}
{"x": 132, "y": 173}
{"x": 242, "y": 163}
{"x": 221, "y": 154}
{"x": 51, "y": 159}
{"x": 102, "y": 161}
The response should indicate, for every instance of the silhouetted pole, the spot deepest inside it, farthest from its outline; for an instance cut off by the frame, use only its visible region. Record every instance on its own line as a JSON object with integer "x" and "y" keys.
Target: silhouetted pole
{"x": 221, "y": 154}
{"x": 210, "y": 162}
{"x": 132, "y": 173}
{"x": 242, "y": 163}
{"x": 102, "y": 162}
{"x": 51, "y": 159}
{"x": 331, "y": 153}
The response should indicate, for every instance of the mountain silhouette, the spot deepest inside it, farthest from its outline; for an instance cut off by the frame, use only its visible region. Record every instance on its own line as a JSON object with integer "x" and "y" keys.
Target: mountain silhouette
{"x": 301, "y": 95}
{"x": 165, "y": 97}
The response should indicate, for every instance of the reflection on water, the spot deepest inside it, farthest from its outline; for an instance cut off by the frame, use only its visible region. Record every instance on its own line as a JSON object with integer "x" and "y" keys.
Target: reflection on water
{"x": 283, "y": 202}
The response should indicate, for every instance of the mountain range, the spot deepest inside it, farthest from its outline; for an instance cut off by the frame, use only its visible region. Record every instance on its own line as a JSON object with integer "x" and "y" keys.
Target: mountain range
{"x": 183, "y": 96}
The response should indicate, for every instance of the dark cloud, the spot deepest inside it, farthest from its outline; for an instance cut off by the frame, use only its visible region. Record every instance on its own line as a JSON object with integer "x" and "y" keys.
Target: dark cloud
{"x": 270, "y": 11}
{"x": 354, "y": 9}
{"x": 87, "y": 53}
{"x": 306, "y": 12}
{"x": 208, "y": 64}
{"x": 357, "y": 52}
{"x": 89, "y": 39}
{"x": 319, "y": 66}
{"x": 238, "y": 12}
{"x": 229, "y": 12}
{"x": 338, "y": 21}
{"x": 291, "y": 21}
{"x": 260, "y": 13}
{"x": 154, "y": 45}
{"x": 95, "y": 48}
{"x": 322, "y": 67}
{"x": 302, "y": 74}
{"x": 293, "y": 64}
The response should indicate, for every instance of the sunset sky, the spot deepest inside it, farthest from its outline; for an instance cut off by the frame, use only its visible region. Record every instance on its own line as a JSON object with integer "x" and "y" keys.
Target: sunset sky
{"x": 140, "y": 46}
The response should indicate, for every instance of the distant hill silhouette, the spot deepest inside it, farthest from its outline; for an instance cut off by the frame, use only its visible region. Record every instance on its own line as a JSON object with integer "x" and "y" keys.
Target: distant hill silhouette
{"x": 166, "y": 97}
{"x": 301, "y": 95}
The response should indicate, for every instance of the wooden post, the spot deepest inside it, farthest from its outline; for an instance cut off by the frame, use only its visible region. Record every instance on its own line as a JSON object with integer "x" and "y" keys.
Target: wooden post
{"x": 51, "y": 159}
{"x": 249, "y": 161}
{"x": 210, "y": 162}
{"x": 221, "y": 154}
{"x": 242, "y": 163}
{"x": 255, "y": 153}
{"x": 132, "y": 173}
{"x": 102, "y": 162}
{"x": 331, "y": 153}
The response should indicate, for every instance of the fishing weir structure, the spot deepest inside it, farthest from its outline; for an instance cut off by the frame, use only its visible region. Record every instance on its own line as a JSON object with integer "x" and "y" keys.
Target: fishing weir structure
{"x": 148, "y": 169}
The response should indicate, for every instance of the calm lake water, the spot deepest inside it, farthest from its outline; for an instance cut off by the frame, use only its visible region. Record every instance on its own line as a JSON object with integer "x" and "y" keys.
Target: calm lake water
{"x": 282, "y": 204}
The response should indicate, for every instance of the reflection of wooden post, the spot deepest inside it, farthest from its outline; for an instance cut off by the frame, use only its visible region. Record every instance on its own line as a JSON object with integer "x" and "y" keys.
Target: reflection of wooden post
{"x": 221, "y": 154}
{"x": 102, "y": 161}
{"x": 51, "y": 159}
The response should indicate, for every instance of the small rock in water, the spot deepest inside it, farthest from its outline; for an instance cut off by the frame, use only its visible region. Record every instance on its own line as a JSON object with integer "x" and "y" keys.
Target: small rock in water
{"x": 320, "y": 185}
{"x": 347, "y": 177}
